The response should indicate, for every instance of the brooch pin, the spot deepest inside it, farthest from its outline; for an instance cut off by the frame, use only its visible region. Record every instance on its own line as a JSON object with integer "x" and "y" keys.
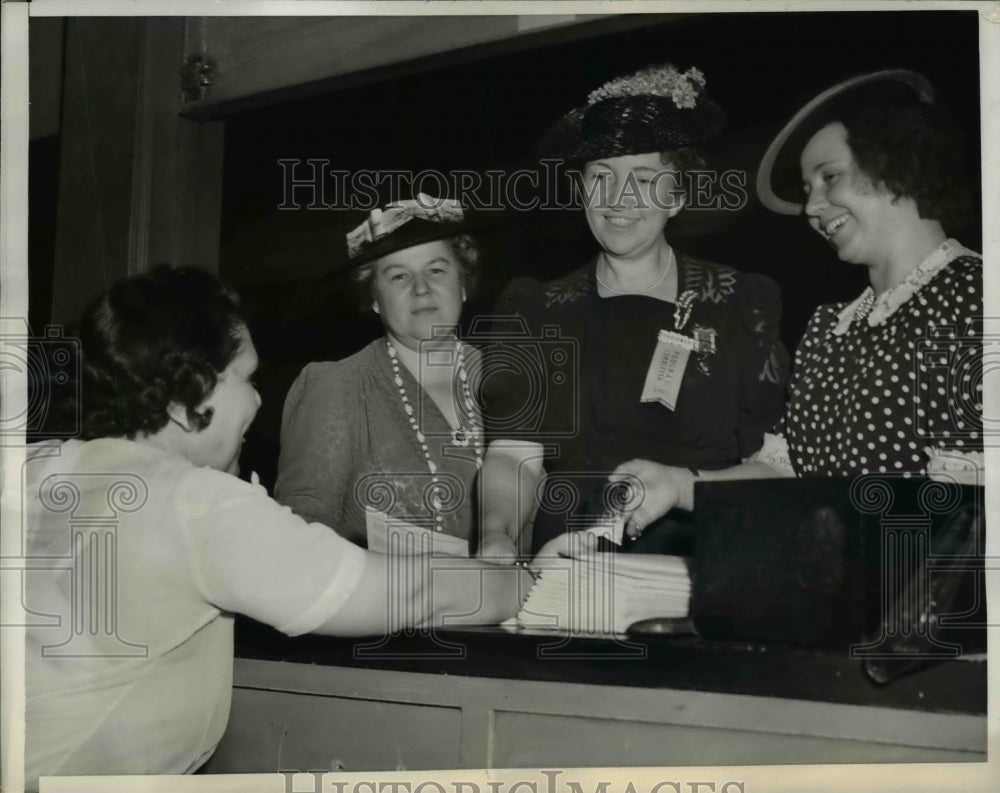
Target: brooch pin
{"x": 682, "y": 311}
{"x": 704, "y": 339}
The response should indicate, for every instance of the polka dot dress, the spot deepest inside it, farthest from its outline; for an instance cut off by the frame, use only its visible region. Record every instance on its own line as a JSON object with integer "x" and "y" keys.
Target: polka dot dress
{"x": 873, "y": 398}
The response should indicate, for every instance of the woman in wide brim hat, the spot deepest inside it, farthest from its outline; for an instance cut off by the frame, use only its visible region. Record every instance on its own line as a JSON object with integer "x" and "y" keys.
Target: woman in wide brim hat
{"x": 645, "y": 351}
{"x": 890, "y": 382}
{"x": 394, "y": 430}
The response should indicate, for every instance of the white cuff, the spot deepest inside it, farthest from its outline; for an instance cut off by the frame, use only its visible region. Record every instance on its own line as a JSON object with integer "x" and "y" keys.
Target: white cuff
{"x": 954, "y": 465}
{"x": 774, "y": 453}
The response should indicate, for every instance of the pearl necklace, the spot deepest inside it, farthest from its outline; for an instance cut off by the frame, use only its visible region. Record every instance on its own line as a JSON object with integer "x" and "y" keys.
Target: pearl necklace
{"x": 647, "y": 289}
{"x": 460, "y": 436}
{"x": 877, "y": 309}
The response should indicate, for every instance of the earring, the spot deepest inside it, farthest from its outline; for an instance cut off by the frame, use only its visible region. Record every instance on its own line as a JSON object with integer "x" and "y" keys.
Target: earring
{"x": 463, "y": 295}
{"x": 375, "y": 308}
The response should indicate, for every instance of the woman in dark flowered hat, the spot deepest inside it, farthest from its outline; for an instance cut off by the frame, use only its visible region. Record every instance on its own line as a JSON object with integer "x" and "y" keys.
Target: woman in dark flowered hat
{"x": 645, "y": 351}
{"x": 890, "y": 382}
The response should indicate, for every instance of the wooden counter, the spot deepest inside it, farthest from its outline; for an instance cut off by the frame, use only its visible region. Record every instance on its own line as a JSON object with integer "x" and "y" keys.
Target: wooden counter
{"x": 492, "y": 698}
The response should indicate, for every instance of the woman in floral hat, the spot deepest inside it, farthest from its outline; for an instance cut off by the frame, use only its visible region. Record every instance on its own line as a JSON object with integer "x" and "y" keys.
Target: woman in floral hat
{"x": 890, "y": 382}
{"x": 645, "y": 351}
{"x": 393, "y": 431}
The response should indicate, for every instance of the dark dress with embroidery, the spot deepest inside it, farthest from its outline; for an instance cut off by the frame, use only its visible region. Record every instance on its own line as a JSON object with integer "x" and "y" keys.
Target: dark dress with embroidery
{"x": 874, "y": 397}
{"x": 569, "y": 370}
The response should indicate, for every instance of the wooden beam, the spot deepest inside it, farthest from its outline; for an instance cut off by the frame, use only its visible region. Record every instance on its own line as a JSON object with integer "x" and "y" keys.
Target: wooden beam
{"x": 260, "y": 61}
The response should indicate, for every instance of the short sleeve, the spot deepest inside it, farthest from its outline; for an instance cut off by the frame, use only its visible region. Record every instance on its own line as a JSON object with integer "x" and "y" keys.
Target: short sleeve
{"x": 774, "y": 452}
{"x": 318, "y": 443}
{"x": 250, "y": 555}
{"x": 764, "y": 363}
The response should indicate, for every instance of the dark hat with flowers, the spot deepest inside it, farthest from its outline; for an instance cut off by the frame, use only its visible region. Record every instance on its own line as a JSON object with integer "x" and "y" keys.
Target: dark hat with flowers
{"x": 655, "y": 109}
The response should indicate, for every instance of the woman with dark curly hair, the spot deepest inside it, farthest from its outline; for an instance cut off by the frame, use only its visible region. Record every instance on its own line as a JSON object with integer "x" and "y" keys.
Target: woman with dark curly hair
{"x": 154, "y": 545}
{"x": 394, "y": 431}
{"x": 150, "y": 368}
{"x": 890, "y": 382}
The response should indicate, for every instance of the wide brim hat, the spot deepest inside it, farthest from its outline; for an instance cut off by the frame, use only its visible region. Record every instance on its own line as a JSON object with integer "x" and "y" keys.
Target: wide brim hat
{"x": 656, "y": 109}
{"x": 406, "y": 224}
{"x": 779, "y": 179}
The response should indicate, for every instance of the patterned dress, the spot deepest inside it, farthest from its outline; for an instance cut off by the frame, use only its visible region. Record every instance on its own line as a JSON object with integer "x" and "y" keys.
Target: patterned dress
{"x": 874, "y": 388}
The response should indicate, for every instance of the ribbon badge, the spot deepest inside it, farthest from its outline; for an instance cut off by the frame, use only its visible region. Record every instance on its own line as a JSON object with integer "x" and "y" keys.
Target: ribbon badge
{"x": 381, "y": 223}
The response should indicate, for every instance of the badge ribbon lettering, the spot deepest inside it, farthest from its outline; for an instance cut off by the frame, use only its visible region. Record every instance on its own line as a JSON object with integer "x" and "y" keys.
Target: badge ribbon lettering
{"x": 666, "y": 369}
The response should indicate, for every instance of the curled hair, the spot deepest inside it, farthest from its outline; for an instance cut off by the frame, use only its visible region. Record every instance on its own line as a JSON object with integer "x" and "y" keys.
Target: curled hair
{"x": 463, "y": 247}
{"x": 915, "y": 151}
{"x": 152, "y": 340}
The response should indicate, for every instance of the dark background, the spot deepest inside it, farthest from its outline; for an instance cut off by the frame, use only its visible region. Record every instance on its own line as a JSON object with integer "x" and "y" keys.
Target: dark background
{"x": 485, "y": 108}
{"x": 487, "y": 111}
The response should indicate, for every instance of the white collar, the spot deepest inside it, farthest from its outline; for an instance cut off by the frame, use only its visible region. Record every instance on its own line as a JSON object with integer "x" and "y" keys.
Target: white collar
{"x": 878, "y": 310}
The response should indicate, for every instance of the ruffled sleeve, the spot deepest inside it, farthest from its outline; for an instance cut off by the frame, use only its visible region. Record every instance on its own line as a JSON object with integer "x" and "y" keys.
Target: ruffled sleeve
{"x": 764, "y": 363}
{"x": 774, "y": 452}
{"x": 964, "y": 468}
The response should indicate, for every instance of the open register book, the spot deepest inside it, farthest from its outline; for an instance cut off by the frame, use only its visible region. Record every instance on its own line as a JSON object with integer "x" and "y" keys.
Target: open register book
{"x": 604, "y": 593}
